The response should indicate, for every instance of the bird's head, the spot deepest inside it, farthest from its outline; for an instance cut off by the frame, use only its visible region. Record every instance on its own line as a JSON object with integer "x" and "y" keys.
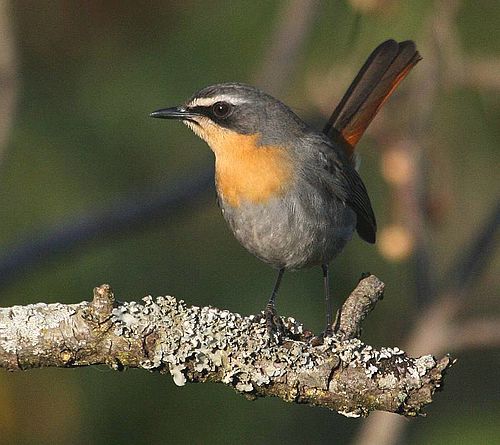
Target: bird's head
{"x": 223, "y": 113}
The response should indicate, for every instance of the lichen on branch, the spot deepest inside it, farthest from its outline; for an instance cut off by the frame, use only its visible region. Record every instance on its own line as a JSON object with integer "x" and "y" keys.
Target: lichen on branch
{"x": 199, "y": 344}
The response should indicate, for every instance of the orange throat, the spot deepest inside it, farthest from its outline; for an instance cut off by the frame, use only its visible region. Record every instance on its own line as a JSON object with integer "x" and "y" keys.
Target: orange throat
{"x": 246, "y": 171}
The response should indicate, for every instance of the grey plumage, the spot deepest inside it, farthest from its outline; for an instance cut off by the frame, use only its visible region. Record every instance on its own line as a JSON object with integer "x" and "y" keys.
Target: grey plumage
{"x": 296, "y": 230}
{"x": 311, "y": 223}
{"x": 292, "y": 195}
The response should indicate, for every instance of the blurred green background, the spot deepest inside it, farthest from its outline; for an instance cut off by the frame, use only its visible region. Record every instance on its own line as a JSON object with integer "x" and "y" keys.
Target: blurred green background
{"x": 88, "y": 74}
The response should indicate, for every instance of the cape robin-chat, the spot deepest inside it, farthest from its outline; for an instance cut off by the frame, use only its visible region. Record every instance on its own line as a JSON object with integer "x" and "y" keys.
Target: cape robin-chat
{"x": 291, "y": 194}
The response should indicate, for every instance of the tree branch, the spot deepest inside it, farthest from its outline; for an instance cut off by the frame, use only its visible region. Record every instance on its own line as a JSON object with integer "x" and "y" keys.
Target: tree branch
{"x": 207, "y": 344}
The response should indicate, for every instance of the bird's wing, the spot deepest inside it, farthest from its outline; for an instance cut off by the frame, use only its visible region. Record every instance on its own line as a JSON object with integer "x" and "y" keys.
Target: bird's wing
{"x": 342, "y": 179}
{"x": 384, "y": 69}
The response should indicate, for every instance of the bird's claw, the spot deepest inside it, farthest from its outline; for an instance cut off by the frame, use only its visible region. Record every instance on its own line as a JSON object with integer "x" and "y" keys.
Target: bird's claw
{"x": 319, "y": 339}
{"x": 274, "y": 324}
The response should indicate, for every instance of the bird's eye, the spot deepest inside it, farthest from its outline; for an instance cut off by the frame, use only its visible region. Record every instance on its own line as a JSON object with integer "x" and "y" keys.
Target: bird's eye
{"x": 221, "y": 109}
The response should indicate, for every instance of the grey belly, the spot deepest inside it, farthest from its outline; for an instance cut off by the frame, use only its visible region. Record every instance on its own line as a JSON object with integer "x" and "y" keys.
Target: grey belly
{"x": 292, "y": 231}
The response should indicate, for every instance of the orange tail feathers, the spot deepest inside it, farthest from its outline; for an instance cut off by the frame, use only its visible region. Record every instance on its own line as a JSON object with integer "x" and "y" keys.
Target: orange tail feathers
{"x": 382, "y": 72}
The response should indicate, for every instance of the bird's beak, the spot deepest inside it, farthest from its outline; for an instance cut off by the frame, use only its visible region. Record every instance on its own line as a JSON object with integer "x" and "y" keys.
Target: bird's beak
{"x": 180, "y": 113}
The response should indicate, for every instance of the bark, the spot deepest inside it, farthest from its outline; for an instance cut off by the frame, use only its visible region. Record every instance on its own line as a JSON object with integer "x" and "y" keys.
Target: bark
{"x": 205, "y": 344}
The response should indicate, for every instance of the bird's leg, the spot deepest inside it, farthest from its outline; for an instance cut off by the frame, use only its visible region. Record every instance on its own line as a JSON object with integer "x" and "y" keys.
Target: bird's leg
{"x": 328, "y": 301}
{"x": 274, "y": 324}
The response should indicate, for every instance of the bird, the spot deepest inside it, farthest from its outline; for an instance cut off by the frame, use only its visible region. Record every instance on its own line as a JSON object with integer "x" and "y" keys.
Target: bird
{"x": 291, "y": 194}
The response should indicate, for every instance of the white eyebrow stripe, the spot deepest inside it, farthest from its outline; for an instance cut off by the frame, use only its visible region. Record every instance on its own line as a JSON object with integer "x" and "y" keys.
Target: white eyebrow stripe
{"x": 207, "y": 101}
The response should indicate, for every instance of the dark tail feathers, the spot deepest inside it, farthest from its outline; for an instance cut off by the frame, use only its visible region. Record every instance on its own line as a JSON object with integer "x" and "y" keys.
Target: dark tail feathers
{"x": 386, "y": 67}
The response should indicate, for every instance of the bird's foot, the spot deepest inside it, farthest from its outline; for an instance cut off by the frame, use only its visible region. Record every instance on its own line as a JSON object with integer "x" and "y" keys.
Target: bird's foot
{"x": 330, "y": 331}
{"x": 319, "y": 339}
{"x": 274, "y": 324}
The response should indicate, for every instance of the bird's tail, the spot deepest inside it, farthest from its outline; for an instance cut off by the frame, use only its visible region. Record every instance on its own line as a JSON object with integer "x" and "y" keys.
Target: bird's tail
{"x": 386, "y": 67}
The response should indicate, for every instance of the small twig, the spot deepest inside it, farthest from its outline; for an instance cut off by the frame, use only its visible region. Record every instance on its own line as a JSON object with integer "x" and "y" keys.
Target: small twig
{"x": 358, "y": 305}
{"x": 207, "y": 344}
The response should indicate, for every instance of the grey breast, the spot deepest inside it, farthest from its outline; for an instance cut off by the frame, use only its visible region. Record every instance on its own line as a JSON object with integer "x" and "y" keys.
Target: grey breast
{"x": 302, "y": 228}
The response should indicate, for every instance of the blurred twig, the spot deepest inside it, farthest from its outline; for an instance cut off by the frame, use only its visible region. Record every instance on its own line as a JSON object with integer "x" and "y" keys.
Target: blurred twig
{"x": 482, "y": 73}
{"x": 438, "y": 324}
{"x": 8, "y": 75}
{"x": 116, "y": 220}
{"x": 409, "y": 150}
{"x": 281, "y": 58}
{"x": 438, "y": 327}
{"x": 133, "y": 214}
{"x": 468, "y": 266}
